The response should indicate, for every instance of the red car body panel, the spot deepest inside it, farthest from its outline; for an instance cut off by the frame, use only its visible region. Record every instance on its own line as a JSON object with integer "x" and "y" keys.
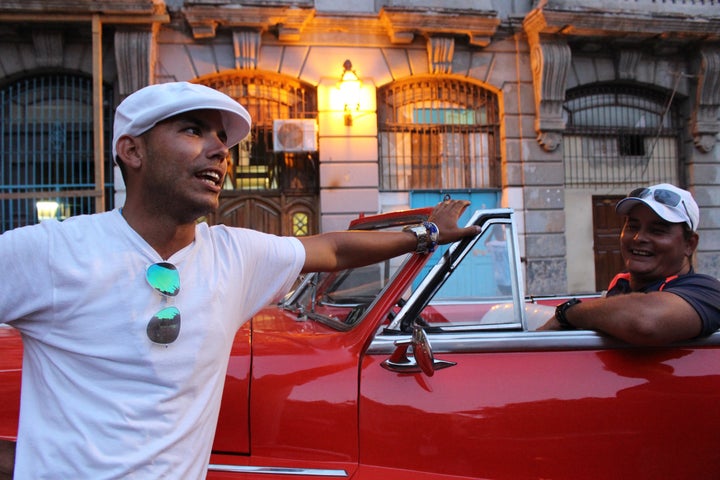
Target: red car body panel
{"x": 313, "y": 399}
{"x": 235, "y": 436}
{"x": 571, "y": 414}
{"x": 10, "y": 373}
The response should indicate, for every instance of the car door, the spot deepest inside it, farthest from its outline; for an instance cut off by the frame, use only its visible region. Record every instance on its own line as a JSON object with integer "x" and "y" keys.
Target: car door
{"x": 514, "y": 403}
{"x": 544, "y": 405}
{"x": 232, "y": 434}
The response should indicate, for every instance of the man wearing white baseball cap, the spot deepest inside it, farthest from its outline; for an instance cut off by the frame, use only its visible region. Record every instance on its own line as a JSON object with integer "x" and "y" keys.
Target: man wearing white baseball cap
{"x": 115, "y": 385}
{"x": 145, "y": 108}
{"x": 669, "y": 202}
{"x": 659, "y": 299}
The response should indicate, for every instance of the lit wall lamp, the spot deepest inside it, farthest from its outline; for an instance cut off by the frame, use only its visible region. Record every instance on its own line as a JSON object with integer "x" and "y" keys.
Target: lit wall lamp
{"x": 349, "y": 87}
{"x": 46, "y": 209}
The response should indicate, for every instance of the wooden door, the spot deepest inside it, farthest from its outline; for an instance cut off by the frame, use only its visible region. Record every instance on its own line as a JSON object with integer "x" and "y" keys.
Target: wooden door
{"x": 270, "y": 213}
{"x": 607, "y": 225}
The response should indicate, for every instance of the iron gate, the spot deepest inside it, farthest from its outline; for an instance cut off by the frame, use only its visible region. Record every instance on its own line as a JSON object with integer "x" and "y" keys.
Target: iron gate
{"x": 47, "y": 166}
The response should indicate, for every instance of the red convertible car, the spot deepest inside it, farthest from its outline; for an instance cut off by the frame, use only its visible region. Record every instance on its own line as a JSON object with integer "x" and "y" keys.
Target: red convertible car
{"x": 429, "y": 367}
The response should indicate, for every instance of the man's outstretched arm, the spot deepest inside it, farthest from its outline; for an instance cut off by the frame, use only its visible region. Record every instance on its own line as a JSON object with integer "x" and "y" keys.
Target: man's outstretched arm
{"x": 347, "y": 249}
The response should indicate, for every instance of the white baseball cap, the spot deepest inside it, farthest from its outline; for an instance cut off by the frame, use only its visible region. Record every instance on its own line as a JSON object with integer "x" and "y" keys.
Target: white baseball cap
{"x": 671, "y": 203}
{"x": 143, "y": 109}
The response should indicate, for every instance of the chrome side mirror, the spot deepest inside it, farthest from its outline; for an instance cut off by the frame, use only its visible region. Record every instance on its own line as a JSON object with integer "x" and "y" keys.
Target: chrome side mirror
{"x": 423, "y": 359}
{"x": 423, "y": 353}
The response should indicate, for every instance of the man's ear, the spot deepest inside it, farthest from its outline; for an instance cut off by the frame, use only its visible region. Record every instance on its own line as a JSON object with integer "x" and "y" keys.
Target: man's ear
{"x": 128, "y": 149}
{"x": 692, "y": 243}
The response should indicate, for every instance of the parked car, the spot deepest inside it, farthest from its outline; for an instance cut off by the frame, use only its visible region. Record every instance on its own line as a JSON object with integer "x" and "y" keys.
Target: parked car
{"x": 429, "y": 367}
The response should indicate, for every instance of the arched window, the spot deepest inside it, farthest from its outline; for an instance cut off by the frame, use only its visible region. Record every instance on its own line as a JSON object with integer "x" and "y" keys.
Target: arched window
{"x": 273, "y": 182}
{"x": 620, "y": 136}
{"x": 268, "y": 97}
{"x": 47, "y": 149}
{"x": 438, "y": 133}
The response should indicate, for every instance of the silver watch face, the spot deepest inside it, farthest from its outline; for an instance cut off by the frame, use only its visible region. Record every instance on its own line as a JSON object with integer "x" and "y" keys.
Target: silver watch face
{"x": 422, "y": 234}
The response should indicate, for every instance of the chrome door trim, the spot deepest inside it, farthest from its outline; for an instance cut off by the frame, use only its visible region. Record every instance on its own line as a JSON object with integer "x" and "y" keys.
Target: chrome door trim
{"x": 313, "y": 472}
{"x": 518, "y": 341}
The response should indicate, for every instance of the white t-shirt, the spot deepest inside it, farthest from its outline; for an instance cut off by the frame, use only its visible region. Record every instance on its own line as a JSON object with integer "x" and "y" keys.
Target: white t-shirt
{"x": 99, "y": 399}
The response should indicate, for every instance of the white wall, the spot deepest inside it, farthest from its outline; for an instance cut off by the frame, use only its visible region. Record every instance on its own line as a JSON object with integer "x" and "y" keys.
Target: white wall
{"x": 579, "y": 241}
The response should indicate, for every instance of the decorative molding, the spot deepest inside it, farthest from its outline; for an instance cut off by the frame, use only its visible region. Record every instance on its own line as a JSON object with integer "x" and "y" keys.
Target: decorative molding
{"x": 550, "y": 59}
{"x": 402, "y": 24}
{"x": 689, "y": 8}
{"x": 135, "y": 57}
{"x": 629, "y": 25}
{"x": 289, "y": 22}
{"x": 246, "y": 45}
{"x": 440, "y": 54}
{"x": 705, "y": 124}
{"x": 106, "y": 7}
{"x": 49, "y": 47}
{"x": 628, "y": 61}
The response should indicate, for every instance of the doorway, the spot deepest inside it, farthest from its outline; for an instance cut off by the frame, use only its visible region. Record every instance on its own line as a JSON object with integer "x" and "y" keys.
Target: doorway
{"x": 607, "y": 225}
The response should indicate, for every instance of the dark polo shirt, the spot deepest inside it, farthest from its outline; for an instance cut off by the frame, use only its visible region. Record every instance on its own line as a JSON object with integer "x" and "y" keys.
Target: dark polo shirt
{"x": 702, "y": 292}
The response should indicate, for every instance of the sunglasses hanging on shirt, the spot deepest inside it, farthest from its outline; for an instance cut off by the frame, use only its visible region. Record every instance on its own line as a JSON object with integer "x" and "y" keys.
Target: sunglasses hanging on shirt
{"x": 164, "y": 327}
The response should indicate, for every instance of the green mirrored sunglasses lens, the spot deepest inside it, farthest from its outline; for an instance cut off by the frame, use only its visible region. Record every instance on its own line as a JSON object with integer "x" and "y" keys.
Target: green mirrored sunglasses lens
{"x": 164, "y": 278}
{"x": 164, "y": 326}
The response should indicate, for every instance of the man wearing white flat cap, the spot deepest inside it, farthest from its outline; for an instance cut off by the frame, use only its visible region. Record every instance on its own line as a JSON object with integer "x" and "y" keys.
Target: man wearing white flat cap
{"x": 659, "y": 299}
{"x": 115, "y": 384}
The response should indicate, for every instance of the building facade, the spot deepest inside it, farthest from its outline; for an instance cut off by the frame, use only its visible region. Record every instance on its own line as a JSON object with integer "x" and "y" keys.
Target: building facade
{"x": 555, "y": 108}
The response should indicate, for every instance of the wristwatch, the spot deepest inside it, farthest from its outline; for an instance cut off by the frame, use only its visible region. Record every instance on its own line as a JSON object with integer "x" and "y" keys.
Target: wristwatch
{"x": 426, "y": 234}
{"x": 560, "y": 313}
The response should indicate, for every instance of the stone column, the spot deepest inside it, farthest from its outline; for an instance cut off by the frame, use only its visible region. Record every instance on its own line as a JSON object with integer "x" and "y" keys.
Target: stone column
{"x": 544, "y": 178}
{"x": 703, "y": 163}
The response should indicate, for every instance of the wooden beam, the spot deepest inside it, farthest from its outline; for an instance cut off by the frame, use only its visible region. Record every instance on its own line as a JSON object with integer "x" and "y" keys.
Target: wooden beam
{"x": 42, "y": 194}
{"x": 83, "y": 17}
{"x": 98, "y": 113}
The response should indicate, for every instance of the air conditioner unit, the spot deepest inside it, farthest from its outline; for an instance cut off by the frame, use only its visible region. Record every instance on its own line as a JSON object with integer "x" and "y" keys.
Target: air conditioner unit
{"x": 295, "y": 135}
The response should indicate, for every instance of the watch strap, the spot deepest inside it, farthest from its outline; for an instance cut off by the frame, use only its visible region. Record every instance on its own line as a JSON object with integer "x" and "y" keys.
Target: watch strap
{"x": 560, "y": 313}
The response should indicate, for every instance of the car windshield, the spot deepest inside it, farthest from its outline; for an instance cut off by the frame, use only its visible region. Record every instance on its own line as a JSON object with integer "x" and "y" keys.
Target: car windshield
{"x": 338, "y": 299}
{"x": 474, "y": 286}
{"x": 470, "y": 285}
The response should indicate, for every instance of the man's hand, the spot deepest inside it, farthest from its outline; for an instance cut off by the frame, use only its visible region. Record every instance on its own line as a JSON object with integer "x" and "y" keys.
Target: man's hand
{"x": 551, "y": 324}
{"x": 446, "y": 215}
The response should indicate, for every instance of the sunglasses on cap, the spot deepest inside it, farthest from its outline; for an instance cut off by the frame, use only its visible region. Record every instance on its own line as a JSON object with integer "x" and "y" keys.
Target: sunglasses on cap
{"x": 666, "y": 197}
{"x": 164, "y": 327}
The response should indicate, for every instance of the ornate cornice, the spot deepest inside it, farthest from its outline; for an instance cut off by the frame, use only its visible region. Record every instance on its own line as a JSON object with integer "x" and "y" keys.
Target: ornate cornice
{"x": 289, "y": 21}
{"x": 403, "y": 24}
{"x": 552, "y": 26}
{"x": 588, "y": 24}
{"x": 90, "y": 6}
